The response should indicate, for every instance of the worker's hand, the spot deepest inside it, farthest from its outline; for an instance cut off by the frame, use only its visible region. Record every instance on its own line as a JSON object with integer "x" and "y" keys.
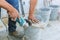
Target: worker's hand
{"x": 33, "y": 19}
{"x": 13, "y": 14}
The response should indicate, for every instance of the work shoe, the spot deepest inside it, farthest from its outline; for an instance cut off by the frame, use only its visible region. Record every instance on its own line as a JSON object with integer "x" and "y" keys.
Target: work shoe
{"x": 15, "y": 34}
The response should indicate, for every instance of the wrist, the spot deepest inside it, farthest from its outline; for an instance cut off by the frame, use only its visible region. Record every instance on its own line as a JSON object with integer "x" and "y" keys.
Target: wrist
{"x": 30, "y": 15}
{"x": 12, "y": 10}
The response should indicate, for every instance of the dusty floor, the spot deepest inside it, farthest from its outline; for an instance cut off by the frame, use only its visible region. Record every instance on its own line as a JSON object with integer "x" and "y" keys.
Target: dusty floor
{"x": 51, "y": 32}
{"x": 4, "y": 33}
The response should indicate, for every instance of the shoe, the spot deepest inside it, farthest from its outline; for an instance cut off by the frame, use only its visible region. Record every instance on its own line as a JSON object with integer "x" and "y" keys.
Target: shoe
{"x": 15, "y": 34}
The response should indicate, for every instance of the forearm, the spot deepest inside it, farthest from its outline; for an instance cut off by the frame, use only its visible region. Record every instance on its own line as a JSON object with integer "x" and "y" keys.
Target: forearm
{"x": 6, "y": 6}
{"x": 32, "y": 6}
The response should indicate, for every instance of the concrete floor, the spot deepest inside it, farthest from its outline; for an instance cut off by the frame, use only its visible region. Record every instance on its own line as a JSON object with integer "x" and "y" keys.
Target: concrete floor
{"x": 4, "y": 32}
{"x": 51, "y": 32}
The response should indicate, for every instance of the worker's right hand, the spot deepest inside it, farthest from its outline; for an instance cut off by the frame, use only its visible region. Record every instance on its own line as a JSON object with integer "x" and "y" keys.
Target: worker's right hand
{"x": 14, "y": 14}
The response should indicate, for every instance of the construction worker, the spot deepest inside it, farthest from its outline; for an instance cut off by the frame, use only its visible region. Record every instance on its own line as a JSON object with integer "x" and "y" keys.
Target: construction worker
{"x": 12, "y": 7}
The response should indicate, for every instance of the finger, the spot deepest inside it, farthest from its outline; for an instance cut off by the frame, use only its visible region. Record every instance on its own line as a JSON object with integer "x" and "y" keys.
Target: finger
{"x": 18, "y": 17}
{"x": 34, "y": 20}
{"x": 12, "y": 16}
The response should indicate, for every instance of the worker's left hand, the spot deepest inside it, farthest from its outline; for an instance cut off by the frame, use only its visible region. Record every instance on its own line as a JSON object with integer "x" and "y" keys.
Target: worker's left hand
{"x": 33, "y": 19}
